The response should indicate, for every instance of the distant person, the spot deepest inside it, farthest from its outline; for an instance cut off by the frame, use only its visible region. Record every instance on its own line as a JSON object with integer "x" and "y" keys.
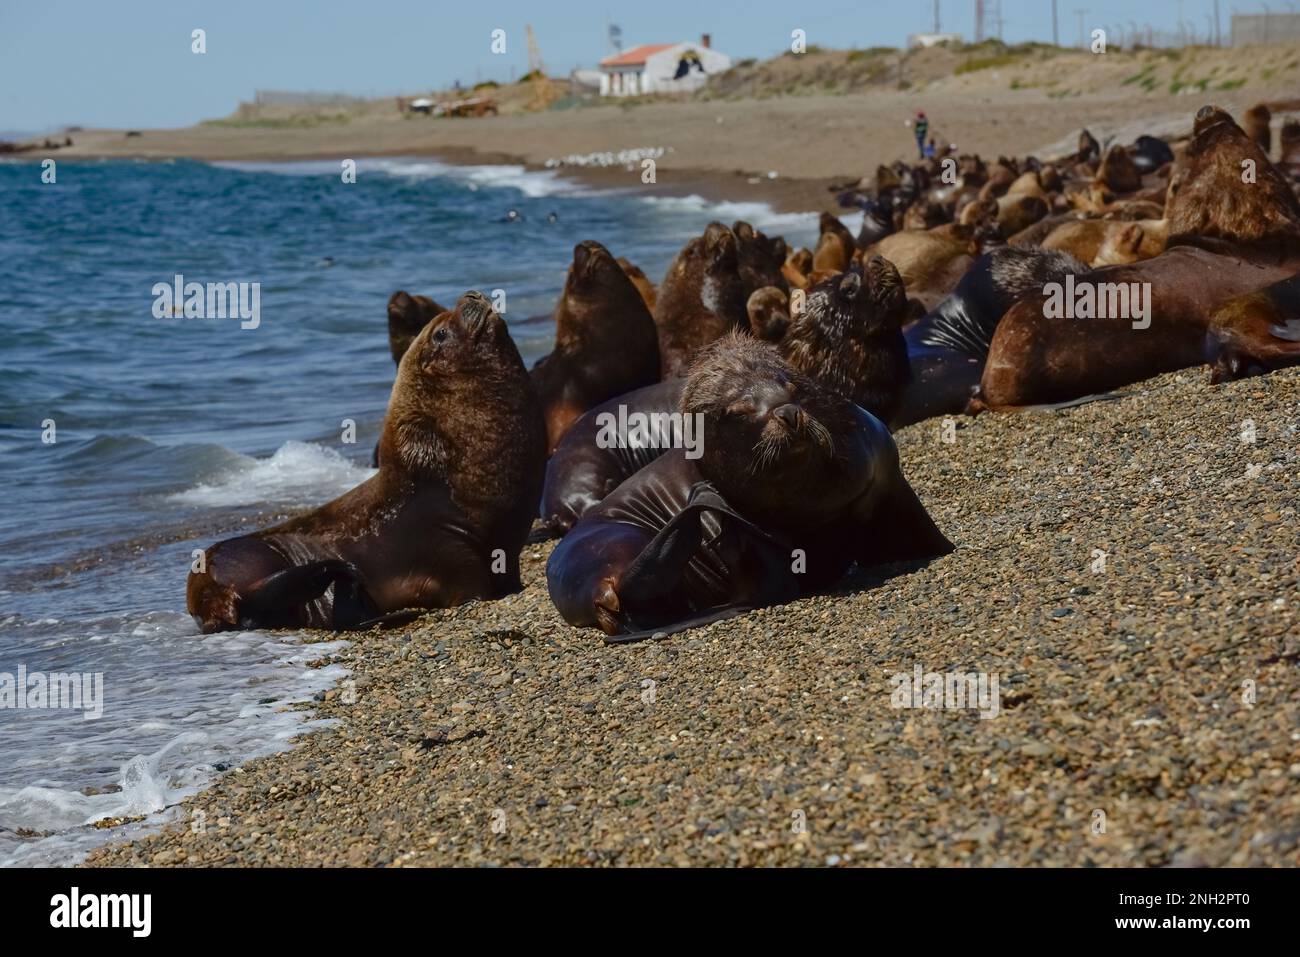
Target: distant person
{"x": 920, "y": 127}
{"x": 930, "y": 150}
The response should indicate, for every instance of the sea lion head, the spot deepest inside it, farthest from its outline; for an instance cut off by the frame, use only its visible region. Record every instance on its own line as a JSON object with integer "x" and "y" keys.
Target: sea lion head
{"x": 1207, "y": 197}
{"x": 774, "y": 441}
{"x": 769, "y": 313}
{"x": 760, "y": 258}
{"x": 407, "y": 315}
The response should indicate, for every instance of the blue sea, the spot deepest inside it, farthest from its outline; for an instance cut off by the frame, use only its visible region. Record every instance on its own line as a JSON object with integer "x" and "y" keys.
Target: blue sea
{"x": 129, "y": 440}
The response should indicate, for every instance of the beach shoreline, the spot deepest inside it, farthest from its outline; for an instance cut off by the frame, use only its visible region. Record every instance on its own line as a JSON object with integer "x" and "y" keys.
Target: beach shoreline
{"x": 495, "y": 734}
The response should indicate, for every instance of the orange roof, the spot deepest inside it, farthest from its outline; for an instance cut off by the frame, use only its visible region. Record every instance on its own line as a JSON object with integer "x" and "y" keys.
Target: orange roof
{"x": 636, "y": 54}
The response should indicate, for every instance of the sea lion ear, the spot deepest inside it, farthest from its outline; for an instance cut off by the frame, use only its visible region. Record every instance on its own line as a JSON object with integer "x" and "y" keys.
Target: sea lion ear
{"x": 779, "y": 248}
{"x": 850, "y": 285}
{"x": 475, "y": 312}
{"x": 743, "y": 230}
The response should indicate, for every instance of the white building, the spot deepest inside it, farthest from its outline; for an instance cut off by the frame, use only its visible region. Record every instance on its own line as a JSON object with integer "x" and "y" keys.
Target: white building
{"x": 920, "y": 40}
{"x": 661, "y": 68}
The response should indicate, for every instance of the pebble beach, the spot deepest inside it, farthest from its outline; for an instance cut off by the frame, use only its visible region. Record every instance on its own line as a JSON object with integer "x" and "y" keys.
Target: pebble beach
{"x": 1126, "y": 568}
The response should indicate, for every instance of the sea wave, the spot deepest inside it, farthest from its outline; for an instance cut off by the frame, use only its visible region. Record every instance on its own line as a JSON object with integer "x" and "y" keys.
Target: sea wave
{"x": 298, "y": 473}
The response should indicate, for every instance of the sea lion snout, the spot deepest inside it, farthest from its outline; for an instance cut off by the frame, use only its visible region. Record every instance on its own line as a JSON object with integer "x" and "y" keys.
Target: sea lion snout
{"x": 790, "y": 415}
{"x": 850, "y": 286}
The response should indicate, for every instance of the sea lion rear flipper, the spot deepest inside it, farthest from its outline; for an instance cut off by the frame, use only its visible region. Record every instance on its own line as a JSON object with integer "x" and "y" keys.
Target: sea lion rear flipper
{"x": 269, "y": 599}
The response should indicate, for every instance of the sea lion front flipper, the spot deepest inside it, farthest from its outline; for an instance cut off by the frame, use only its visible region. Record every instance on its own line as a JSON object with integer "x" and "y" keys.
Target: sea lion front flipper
{"x": 685, "y": 624}
{"x": 270, "y": 599}
{"x": 898, "y": 529}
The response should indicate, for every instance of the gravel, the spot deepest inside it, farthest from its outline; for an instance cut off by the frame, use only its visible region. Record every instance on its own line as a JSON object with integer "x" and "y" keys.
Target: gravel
{"x": 1127, "y": 568}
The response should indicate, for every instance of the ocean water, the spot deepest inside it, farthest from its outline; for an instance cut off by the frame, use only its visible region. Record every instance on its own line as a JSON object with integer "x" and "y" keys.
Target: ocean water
{"x": 128, "y": 440}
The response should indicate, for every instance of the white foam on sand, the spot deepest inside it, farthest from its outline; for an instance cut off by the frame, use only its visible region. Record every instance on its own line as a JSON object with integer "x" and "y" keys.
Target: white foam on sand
{"x": 298, "y": 473}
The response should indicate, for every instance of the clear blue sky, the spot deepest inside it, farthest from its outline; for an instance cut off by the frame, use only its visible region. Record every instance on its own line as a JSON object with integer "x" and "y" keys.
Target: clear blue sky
{"x": 128, "y": 62}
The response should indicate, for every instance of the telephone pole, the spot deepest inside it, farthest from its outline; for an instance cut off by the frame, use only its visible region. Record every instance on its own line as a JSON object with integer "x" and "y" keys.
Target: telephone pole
{"x": 1056, "y": 41}
{"x": 936, "y": 16}
{"x": 1080, "y": 14}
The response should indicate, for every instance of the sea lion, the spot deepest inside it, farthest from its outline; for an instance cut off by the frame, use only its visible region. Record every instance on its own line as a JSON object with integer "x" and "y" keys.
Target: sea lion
{"x": 1255, "y": 333}
{"x": 606, "y": 342}
{"x": 796, "y": 268}
{"x": 1102, "y": 242}
{"x": 759, "y": 259}
{"x": 1118, "y": 172}
{"x": 835, "y": 245}
{"x": 932, "y": 261}
{"x": 769, "y": 313}
{"x": 643, "y": 285}
{"x": 1289, "y": 163}
{"x": 1150, "y": 154}
{"x": 1255, "y": 123}
{"x": 1019, "y": 212}
{"x": 948, "y": 346}
{"x": 1226, "y": 239}
{"x": 794, "y": 484}
{"x": 441, "y": 523}
{"x": 407, "y": 316}
{"x": 848, "y": 337}
{"x": 701, "y": 298}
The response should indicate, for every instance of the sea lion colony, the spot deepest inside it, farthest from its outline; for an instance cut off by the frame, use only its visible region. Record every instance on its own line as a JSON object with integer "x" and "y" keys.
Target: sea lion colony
{"x": 970, "y": 286}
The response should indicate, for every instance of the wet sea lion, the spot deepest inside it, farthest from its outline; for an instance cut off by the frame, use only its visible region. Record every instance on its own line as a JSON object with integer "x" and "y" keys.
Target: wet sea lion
{"x": 643, "y": 285}
{"x": 1150, "y": 154}
{"x": 1256, "y": 333}
{"x": 795, "y": 483}
{"x": 848, "y": 337}
{"x": 440, "y": 524}
{"x": 1226, "y": 239}
{"x": 606, "y": 342}
{"x": 701, "y": 298}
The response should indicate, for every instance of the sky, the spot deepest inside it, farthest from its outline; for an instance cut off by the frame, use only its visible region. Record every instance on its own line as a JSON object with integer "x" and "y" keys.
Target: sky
{"x": 128, "y": 63}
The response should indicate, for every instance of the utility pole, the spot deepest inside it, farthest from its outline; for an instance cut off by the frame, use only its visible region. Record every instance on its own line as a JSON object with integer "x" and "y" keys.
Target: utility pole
{"x": 1080, "y": 14}
{"x": 1056, "y": 40}
{"x": 1217, "y": 38}
{"x": 936, "y": 16}
{"x": 979, "y": 20}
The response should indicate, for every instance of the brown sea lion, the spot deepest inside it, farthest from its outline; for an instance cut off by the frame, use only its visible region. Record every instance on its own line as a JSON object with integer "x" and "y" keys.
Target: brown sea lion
{"x": 1118, "y": 172}
{"x": 1255, "y": 123}
{"x": 441, "y": 523}
{"x": 1289, "y": 162}
{"x": 931, "y": 262}
{"x": 701, "y": 298}
{"x": 848, "y": 336}
{"x": 407, "y": 316}
{"x": 835, "y": 245}
{"x": 1226, "y": 239}
{"x": 794, "y": 484}
{"x": 925, "y": 214}
{"x": 796, "y": 268}
{"x": 1016, "y": 213}
{"x": 643, "y": 285}
{"x": 606, "y": 342}
{"x": 769, "y": 313}
{"x": 760, "y": 258}
{"x": 1256, "y": 333}
{"x": 1102, "y": 242}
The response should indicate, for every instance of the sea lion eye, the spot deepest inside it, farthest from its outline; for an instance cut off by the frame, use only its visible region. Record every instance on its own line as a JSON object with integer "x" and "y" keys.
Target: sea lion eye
{"x": 440, "y": 335}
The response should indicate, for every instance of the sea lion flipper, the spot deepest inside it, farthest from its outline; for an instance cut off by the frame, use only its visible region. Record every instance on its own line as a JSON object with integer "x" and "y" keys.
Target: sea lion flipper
{"x": 660, "y": 565}
{"x": 685, "y": 624}
{"x": 899, "y": 529}
{"x": 294, "y": 587}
